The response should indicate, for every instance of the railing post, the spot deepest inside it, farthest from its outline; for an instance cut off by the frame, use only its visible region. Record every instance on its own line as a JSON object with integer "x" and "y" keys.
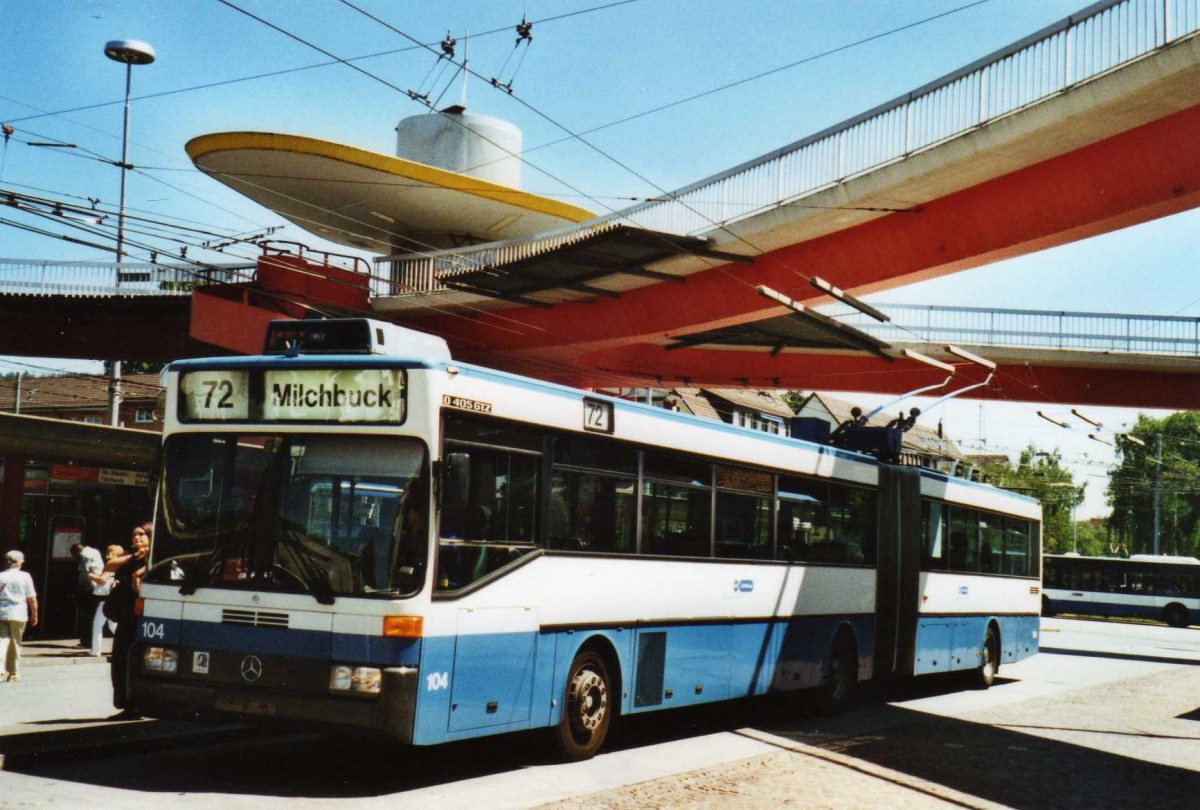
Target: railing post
{"x": 1068, "y": 52}
{"x": 982, "y": 94}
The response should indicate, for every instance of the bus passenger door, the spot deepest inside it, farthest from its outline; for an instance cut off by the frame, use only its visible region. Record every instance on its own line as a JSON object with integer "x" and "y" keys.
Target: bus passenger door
{"x": 493, "y": 667}
{"x": 898, "y": 576}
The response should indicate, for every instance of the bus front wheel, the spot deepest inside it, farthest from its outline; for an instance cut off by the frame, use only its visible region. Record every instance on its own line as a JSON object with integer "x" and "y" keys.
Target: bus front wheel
{"x": 985, "y": 676}
{"x": 1175, "y": 615}
{"x": 587, "y": 708}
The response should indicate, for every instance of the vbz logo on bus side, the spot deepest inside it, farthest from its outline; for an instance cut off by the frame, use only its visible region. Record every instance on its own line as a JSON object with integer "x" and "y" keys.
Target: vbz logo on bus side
{"x": 743, "y": 585}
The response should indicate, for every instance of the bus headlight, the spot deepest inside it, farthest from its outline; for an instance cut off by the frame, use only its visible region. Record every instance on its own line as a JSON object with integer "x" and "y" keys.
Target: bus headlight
{"x": 339, "y": 677}
{"x": 160, "y": 659}
{"x": 363, "y": 680}
{"x": 367, "y": 680}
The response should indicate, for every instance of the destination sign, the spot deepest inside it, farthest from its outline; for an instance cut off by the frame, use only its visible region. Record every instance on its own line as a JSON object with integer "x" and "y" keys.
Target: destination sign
{"x": 333, "y": 395}
{"x": 346, "y": 395}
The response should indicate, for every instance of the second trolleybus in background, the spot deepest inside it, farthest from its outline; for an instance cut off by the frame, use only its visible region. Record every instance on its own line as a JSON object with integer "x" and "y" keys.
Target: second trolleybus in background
{"x": 355, "y": 530}
{"x": 1144, "y": 586}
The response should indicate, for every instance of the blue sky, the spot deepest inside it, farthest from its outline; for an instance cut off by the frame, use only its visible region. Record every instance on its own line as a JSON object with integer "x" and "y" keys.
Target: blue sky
{"x": 603, "y": 62}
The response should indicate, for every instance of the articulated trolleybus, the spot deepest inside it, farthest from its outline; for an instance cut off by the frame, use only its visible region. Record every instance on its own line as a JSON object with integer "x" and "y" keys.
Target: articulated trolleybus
{"x": 354, "y": 530}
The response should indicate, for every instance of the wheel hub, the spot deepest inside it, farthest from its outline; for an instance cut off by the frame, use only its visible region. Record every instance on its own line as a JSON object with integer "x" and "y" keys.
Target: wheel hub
{"x": 591, "y": 699}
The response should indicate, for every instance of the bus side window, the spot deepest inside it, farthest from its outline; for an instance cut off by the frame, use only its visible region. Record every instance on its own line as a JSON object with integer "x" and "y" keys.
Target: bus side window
{"x": 933, "y": 524}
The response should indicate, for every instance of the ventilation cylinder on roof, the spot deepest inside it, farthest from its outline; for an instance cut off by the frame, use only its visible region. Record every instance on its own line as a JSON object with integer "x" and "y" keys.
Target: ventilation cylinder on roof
{"x": 475, "y": 145}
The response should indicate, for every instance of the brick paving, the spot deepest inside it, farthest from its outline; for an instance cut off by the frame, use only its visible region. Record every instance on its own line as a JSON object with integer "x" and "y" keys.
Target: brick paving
{"x": 1131, "y": 743}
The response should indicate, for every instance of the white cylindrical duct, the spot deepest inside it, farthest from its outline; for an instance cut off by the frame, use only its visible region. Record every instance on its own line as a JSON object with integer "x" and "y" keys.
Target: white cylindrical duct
{"x": 475, "y": 145}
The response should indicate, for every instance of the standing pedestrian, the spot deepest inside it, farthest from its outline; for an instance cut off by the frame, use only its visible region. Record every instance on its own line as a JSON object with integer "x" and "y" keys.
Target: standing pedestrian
{"x": 18, "y": 605}
{"x": 101, "y": 586}
{"x": 118, "y": 607}
{"x": 90, "y": 564}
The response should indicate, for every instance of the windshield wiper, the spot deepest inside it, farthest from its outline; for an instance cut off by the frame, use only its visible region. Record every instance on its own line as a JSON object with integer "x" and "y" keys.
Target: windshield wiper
{"x": 312, "y": 571}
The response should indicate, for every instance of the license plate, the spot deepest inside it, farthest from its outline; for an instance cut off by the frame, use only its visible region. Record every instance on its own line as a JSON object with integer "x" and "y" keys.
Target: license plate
{"x": 245, "y": 705}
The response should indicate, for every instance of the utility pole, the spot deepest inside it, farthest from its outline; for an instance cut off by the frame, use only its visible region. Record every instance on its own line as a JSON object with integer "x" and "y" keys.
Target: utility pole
{"x": 1157, "y": 491}
{"x": 114, "y": 393}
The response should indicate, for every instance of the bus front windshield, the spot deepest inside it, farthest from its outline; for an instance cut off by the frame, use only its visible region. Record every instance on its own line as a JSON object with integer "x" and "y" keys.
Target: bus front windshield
{"x": 327, "y": 515}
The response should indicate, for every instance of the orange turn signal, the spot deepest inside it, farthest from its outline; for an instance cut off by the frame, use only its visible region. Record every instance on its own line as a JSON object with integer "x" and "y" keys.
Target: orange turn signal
{"x": 403, "y": 626}
{"x": 139, "y": 606}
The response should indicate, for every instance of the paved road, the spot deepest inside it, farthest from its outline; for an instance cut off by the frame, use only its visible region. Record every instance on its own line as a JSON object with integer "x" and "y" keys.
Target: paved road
{"x": 1110, "y": 714}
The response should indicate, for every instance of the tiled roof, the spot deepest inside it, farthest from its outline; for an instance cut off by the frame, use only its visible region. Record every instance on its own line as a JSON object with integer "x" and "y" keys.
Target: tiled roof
{"x": 74, "y": 391}
{"x": 691, "y": 401}
{"x": 761, "y": 400}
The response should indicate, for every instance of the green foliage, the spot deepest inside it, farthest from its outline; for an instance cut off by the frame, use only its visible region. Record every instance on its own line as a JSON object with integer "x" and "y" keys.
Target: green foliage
{"x": 1041, "y": 475}
{"x": 794, "y": 399}
{"x": 141, "y": 367}
{"x": 1096, "y": 540}
{"x": 1132, "y": 485}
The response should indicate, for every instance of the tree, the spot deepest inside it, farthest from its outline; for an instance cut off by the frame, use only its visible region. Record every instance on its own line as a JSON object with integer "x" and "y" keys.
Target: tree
{"x": 794, "y": 399}
{"x": 1138, "y": 477}
{"x": 1096, "y": 540}
{"x": 141, "y": 367}
{"x": 1040, "y": 475}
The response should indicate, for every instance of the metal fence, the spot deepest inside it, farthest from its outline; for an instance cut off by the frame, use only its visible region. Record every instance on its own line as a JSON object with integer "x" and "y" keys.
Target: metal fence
{"x": 1102, "y": 37}
{"x": 34, "y": 277}
{"x": 1031, "y": 329}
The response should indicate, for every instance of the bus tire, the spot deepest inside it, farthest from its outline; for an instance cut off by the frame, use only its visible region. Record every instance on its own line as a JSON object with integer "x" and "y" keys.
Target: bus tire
{"x": 989, "y": 663}
{"x": 839, "y": 690}
{"x": 587, "y": 707}
{"x": 1176, "y": 615}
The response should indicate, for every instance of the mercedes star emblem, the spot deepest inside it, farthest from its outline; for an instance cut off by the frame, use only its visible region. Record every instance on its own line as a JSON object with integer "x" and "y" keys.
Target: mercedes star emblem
{"x": 252, "y": 668}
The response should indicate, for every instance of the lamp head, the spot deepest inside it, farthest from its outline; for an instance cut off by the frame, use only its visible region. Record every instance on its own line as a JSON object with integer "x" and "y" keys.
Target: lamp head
{"x": 129, "y": 52}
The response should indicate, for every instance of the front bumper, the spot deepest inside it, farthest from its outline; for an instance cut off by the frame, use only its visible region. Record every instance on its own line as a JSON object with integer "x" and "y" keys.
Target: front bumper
{"x": 392, "y": 712}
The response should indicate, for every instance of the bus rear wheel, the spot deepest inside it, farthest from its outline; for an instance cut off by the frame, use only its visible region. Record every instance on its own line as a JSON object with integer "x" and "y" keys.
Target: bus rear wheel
{"x": 985, "y": 676}
{"x": 1175, "y": 615}
{"x": 587, "y": 710}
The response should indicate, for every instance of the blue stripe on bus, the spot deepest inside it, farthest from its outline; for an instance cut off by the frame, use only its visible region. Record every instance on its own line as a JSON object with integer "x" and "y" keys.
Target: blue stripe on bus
{"x": 487, "y": 684}
{"x": 356, "y": 648}
{"x": 952, "y": 643}
{"x": 1124, "y": 610}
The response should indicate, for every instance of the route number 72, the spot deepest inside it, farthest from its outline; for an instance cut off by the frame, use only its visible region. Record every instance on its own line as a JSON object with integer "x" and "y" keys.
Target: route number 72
{"x": 222, "y": 389}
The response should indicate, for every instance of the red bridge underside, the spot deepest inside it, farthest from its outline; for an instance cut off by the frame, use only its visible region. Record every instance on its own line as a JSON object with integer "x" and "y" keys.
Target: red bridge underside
{"x": 1145, "y": 173}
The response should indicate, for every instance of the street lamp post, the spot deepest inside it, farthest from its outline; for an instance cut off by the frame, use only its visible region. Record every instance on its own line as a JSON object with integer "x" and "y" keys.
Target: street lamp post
{"x": 129, "y": 52}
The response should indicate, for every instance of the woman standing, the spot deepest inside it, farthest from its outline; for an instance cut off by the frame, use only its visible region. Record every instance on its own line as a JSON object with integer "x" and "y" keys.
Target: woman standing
{"x": 102, "y": 583}
{"x": 18, "y": 605}
{"x": 119, "y": 608}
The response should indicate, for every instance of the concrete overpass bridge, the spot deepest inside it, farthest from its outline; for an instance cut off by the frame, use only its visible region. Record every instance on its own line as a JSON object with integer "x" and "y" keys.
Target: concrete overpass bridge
{"x": 1056, "y": 356}
{"x": 1083, "y": 128}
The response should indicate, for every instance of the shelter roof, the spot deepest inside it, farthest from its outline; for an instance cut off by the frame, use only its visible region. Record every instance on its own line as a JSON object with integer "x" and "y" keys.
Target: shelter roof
{"x": 74, "y": 391}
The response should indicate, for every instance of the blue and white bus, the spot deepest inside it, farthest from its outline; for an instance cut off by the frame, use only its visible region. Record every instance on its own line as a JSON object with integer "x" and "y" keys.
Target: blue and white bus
{"x": 1144, "y": 586}
{"x": 353, "y": 529}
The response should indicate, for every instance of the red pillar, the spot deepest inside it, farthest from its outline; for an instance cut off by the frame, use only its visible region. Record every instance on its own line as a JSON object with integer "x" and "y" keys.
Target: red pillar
{"x": 11, "y": 492}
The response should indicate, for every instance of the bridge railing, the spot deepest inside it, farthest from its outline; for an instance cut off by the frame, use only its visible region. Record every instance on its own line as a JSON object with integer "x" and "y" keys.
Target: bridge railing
{"x": 1031, "y": 329}
{"x": 1102, "y": 37}
{"x": 35, "y": 277}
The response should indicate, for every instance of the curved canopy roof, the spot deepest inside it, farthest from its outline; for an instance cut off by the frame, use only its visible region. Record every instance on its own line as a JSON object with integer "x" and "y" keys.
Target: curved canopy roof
{"x": 369, "y": 200}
